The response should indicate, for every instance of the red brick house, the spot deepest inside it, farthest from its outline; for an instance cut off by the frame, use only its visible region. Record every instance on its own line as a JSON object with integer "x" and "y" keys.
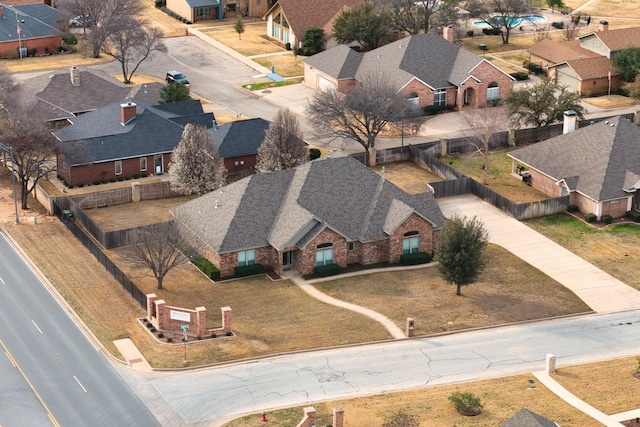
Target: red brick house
{"x": 426, "y": 68}
{"x": 598, "y": 166}
{"x": 330, "y": 210}
{"x": 124, "y": 139}
{"x": 30, "y": 27}
{"x": 238, "y": 143}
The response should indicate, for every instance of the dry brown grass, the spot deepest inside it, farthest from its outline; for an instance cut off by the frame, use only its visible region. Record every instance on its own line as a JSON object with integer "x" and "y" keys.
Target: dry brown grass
{"x": 508, "y": 291}
{"x": 608, "y": 386}
{"x": 285, "y": 65}
{"x": 614, "y": 8}
{"x": 51, "y": 62}
{"x": 253, "y": 41}
{"x": 407, "y": 175}
{"x": 171, "y": 27}
{"x": 502, "y": 398}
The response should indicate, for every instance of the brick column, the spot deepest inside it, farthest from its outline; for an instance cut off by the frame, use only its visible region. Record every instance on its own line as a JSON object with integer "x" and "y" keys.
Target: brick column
{"x": 135, "y": 191}
{"x": 201, "y": 321}
{"x": 226, "y": 319}
{"x": 309, "y": 417}
{"x": 338, "y": 417}
{"x": 410, "y": 326}
{"x": 551, "y": 364}
{"x": 160, "y": 313}
{"x": 151, "y": 307}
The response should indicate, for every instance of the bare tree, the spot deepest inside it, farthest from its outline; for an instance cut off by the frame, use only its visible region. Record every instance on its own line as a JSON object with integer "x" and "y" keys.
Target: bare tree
{"x": 570, "y": 31}
{"x": 405, "y": 14}
{"x": 360, "y": 114}
{"x": 155, "y": 249}
{"x": 484, "y": 125}
{"x": 104, "y": 17}
{"x": 31, "y": 141}
{"x": 504, "y": 15}
{"x": 283, "y": 146}
{"x": 132, "y": 45}
{"x": 196, "y": 166}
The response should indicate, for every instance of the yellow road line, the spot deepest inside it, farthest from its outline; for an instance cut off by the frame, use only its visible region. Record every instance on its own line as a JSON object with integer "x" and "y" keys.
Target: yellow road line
{"x": 14, "y": 363}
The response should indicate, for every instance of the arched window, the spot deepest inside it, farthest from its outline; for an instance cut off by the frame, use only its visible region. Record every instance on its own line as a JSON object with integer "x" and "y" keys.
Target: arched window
{"x": 324, "y": 254}
{"x": 493, "y": 92}
{"x": 410, "y": 243}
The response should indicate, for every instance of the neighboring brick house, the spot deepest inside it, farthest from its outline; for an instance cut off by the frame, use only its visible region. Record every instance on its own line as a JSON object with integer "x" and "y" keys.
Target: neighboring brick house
{"x": 330, "y": 210}
{"x": 32, "y": 27}
{"x": 206, "y": 10}
{"x": 287, "y": 20}
{"x": 124, "y": 139}
{"x": 238, "y": 143}
{"x": 584, "y": 65}
{"x": 425, "y": 68}
{"x": 598, "y": 166}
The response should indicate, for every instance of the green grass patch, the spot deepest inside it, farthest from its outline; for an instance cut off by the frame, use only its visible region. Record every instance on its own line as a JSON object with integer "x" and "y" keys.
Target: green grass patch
{"x": 266, "y": 85}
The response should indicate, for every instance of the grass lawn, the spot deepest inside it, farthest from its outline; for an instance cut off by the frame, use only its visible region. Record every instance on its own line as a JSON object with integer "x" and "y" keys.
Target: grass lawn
{"x": 499, "y": 176}
{"x": 501, "y": 398}
{"x": 285, "y": 65}
{"x": 252, "y": 42}
{"x": 614, "y": 249}
{"x": 508, "y": 291}
{"x": 408, "y": 176}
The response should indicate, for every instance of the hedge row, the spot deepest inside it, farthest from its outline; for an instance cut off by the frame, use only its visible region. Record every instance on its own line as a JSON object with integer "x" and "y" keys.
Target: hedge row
{"x": 249, "y": 270}
{"x": 210, "y": 270}
{"x": 417, "y": 258}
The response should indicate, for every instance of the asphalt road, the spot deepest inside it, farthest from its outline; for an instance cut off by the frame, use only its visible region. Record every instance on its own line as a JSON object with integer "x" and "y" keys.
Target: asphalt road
{"x": 59, "y": 377}
{"x": 298, "y": 379}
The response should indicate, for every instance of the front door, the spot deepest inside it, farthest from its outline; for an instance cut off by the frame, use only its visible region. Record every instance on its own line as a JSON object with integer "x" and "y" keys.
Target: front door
{"x": 287, "y": 259}
{"x": 157, "y": 164}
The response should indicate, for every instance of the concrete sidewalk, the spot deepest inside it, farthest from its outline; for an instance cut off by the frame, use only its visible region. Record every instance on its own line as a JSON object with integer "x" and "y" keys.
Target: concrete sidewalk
{"x": 601, "y": 291}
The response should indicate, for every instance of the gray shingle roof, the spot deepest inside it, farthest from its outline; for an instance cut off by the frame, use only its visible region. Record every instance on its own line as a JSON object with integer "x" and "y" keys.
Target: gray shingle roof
{"x": 99, "y": 136}
{"x": 596, "y": 160}
{"x": 203, "y": 3}
{"x": 526, "y": 418}
{"x": 239, "y": 138}
{"x": 427, "y": 57}
{"x": 39, "y": 21}
{"x": 286, "y": 208}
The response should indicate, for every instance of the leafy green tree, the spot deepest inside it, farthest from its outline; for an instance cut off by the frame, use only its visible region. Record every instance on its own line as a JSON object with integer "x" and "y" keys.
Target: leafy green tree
{"x": 401, "y": 419}
{"x": 196, "y": 167}
{"x": 174, "y": 92}
{"x": 627, "y": 63}
{"x": 239, "y": 27}
{"x": 283, "y": 146}
{"x": 555, "y": 4}
{"x": 542, "y": 104}
{"x": 634, "y": 91}
{"x": 313, "y": 40}
{"x": 368, "y": 24}
{"x": 460, "y": 252}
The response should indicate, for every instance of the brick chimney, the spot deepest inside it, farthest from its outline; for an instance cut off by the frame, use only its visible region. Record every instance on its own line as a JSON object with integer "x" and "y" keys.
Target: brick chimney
{"x": 74, "y": 73}
{"x": 570, "y": 119}
{"x": 449, "y": 33}
{"x": 127, "y": 112}
{"x": 604, "y": 25}
{"x": 0, "y": 11}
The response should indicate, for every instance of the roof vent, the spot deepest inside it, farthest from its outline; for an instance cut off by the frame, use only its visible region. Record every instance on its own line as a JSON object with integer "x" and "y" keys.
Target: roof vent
{"x": 217, "y": 204}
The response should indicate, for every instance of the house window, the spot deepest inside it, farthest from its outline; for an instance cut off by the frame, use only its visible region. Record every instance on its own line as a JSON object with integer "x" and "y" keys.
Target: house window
{"x": 413, "y": 100}
{"x": 232, "y": 7}
{"x": 202, "y": 11}
{"x": 237, "y": 163}
{"x": 410, "y": 243}
{"x": 493, "y": 92}
{"x": 351, "y": 246}
{"x": 324, "y": 254}
{"x": 440, "y": 97}
{"x": 246, "y": 257}
{"x": 143, "y": 163}
{"x": 241, "y": 162}
{"x": 118, "y": 165}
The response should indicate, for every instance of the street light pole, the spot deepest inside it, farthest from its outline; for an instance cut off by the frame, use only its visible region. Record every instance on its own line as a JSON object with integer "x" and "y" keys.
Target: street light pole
{"x": 13, "y": 179}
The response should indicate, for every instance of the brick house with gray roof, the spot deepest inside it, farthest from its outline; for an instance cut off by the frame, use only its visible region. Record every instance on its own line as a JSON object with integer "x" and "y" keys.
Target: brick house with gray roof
{"x": 238, "y": 143}
{"x": 41, "y": 28}
{"x": 124, "y": 139}
{"x": 330, "y": 210}
{"x": 598, "y": 166}
{"x": 583, "y": 65}
{"x": 426, "y": 68}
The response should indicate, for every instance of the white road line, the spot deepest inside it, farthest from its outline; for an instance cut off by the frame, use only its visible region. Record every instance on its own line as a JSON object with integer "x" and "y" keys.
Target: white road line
{"x": 34, "y": 324}
{"x": 2, "y": 281}
{"x": 80, "y": 384}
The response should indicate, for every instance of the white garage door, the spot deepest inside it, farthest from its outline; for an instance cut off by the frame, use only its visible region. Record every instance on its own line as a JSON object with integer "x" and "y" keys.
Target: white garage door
{"x": 324, "y": 84}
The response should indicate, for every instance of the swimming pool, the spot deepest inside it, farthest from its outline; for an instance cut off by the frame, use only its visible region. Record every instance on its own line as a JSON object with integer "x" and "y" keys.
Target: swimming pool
{"x": 514, "y": 22}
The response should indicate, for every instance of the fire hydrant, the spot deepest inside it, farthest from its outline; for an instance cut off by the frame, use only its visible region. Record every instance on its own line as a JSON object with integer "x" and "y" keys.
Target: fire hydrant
{"x": 264, "y": 416}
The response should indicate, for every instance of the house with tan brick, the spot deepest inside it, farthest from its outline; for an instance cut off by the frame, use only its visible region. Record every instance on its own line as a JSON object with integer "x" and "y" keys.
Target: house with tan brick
{"x": 332, "y": 210}
{"x": 584, "y": 65}
{"x": 425, "y": 68}
{"x": 287, "y": 20}
{"x": 598, "y": 166}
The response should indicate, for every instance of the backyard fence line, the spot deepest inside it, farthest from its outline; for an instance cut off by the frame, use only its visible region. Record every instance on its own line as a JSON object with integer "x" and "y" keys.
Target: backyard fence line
{"x": 95, "y": 250}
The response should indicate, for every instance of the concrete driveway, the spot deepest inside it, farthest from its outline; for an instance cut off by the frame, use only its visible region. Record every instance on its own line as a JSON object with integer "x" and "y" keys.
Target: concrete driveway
{"x": 601, "y": 291}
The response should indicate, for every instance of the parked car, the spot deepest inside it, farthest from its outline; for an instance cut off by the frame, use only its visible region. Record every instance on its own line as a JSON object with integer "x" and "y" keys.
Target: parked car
{"x": 81, "y": 21}
{"x": 177, "y": 77}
